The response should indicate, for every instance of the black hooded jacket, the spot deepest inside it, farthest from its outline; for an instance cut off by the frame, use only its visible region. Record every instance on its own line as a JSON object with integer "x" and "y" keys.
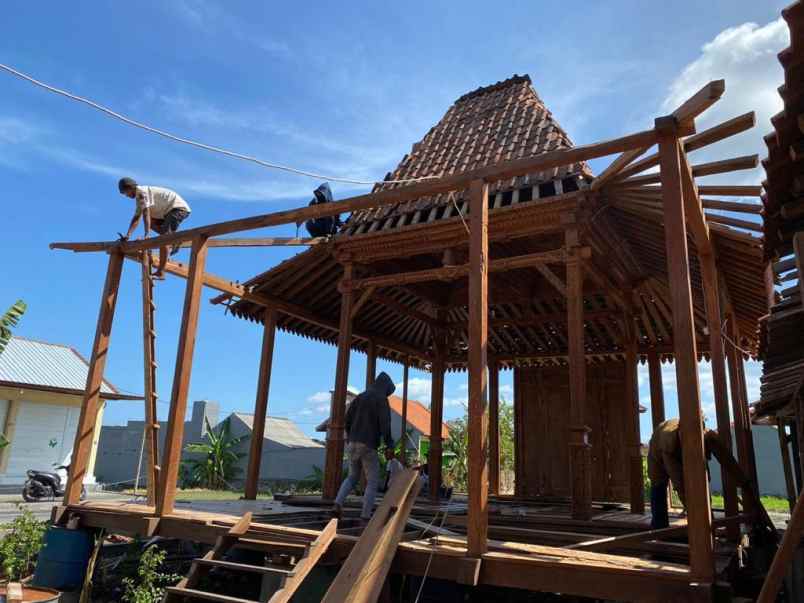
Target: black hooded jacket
{"x": 368, "y": 418}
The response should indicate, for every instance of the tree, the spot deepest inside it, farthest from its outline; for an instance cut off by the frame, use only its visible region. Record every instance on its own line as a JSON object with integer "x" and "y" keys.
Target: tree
{"x": 218, "y": 464}
{"x": 9, "y": 320}
{"x": 457, "y": 447}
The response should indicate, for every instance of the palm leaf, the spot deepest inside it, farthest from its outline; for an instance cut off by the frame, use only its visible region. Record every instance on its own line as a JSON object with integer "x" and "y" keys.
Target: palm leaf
{"x": 10, "y": 320}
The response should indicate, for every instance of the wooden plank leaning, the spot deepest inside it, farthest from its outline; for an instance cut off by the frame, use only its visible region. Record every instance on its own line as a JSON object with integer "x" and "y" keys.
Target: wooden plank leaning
{"x": 363, "y": 574}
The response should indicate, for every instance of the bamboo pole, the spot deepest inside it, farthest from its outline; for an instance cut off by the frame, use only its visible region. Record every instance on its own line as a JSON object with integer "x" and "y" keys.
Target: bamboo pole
{"x": 261, "y": 404}
{"x": 91, "y": 404}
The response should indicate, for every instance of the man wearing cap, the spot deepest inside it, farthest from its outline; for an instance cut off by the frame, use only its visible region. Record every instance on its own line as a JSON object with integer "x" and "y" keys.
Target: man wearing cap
{"x": 161, "y": 208}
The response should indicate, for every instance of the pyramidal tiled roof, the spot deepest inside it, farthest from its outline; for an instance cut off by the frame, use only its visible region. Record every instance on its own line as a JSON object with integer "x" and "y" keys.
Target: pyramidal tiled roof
{"x": 501, "y": 122}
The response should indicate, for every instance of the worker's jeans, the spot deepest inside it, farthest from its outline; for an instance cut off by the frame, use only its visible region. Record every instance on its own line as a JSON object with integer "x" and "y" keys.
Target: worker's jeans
{"x": 658, "y": 505}
{"x": 361, "y": 458}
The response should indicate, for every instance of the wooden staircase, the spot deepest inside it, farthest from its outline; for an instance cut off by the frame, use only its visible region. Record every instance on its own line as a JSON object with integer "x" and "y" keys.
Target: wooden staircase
{"x": 291, "y": 578}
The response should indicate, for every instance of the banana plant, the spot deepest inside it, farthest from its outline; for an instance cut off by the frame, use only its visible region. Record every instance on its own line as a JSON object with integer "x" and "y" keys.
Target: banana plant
{"x": 10, "y": 320}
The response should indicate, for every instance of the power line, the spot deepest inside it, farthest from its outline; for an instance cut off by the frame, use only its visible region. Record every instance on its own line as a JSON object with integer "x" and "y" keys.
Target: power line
{"x": 200, "y": 145}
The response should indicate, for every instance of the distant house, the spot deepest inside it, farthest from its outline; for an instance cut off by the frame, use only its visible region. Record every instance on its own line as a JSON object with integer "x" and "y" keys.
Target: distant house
{"x": 418, "y": 423}
{"x": 120, "y": 446}
{"x": 287, "y": 453}
{"x": 41, "y": 390}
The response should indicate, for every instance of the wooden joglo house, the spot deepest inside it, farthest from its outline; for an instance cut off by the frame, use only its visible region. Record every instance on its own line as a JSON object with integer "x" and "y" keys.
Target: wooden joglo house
{"x": 492, "y": 247}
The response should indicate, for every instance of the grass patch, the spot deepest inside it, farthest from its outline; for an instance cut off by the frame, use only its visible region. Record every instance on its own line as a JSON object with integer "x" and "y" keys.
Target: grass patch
{"x": 195, "y": 494}
{"x": 772, "y": 504}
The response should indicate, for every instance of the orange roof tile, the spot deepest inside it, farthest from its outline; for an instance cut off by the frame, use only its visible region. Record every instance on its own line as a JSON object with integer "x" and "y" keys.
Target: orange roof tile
{"x": 418, "y": 415}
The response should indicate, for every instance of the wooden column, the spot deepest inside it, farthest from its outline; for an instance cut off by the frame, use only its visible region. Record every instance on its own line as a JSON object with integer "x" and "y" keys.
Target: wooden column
{"x": 477, "y": 520}
{"x": 149, "y": 380}
{"x": 171, "y": 457}
{"x": 494, "y": 428}
{"x": 404, "y": 434}
{"x": 91, "y": 403}
{"x": 261, "y": 404}
{"x": 580, "y": 449}
{"x": 718, "y": 360}
{"x": 436, "y": 419}
{"x": 656, "y": 388}
{"x": 333, "y": 466}
{"x": 636, "y": 482}
{"x": 686, "y": 357}
{"x": 371, "y": 362}
{"x": 742, "y": 426}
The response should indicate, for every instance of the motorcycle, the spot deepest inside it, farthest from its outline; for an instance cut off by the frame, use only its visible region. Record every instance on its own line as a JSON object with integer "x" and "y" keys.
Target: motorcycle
{"x": 46, "y": 485}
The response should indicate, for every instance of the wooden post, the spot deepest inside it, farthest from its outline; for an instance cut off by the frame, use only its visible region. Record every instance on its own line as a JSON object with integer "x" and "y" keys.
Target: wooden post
{"x": 477, "y": 521}
{"x": 371, "y": 362}
{"x": 91, "y": 404}
{"x": 784, "y": 554}
{"x": 656, "y": 388}
{"x": 261, "y": 404}
{"x": 404, "y": 434}
{"x": 689, "y": 402}
{"x": 333, "y": 466}
{"x": 742, "y": 425}
{"x": 636, "y": 480}
{"x": 436, "y": 419}
{"x": 171, "y": 457}
{"x": 494, "y": 428}
{"x": 788, "y": 471}
{"x": 718, "y": 361}
{"x": 149, "y": 380}
{"x": 580, "y": 449}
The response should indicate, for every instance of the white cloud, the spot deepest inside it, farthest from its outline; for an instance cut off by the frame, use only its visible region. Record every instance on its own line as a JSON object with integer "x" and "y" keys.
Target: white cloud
{"x": 319, "y": 397}
{"x": 322, "y": 408}
{"x": 463, "y": 402}
{"x": 418, "y": 389}
{"x": 507, "y": 389}
{"x": 745, "y": 56}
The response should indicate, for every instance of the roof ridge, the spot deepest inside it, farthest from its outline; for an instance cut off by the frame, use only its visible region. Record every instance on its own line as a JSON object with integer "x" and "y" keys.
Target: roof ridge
{"x": 514, "y": 79}
{"x": 43, "y": 342}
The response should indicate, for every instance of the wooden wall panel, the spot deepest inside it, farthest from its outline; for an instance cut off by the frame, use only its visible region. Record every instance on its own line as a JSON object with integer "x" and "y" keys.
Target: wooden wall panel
{"x": 542, "y": 399}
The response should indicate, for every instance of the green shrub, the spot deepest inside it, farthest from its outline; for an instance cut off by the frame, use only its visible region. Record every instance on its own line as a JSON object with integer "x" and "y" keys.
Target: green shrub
{"x": 20, "y": 545}
{"x": 149, "y": 585}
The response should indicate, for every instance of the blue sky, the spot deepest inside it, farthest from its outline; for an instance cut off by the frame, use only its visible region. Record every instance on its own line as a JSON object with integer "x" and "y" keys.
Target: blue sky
{"x": 341, "y": 92}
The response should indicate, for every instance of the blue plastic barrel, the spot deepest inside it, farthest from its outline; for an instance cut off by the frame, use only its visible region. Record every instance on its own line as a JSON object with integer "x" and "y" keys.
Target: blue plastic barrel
{"x": 63, "y": 559}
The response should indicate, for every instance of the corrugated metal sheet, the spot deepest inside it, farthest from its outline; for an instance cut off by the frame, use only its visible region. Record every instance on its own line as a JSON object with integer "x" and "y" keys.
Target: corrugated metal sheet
{"x": 44, "y": 364}
{"x": 282, "y": 431}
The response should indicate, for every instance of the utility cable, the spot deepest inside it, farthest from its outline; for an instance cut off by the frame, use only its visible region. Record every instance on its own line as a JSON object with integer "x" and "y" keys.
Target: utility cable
{"x": 200, "y": 145}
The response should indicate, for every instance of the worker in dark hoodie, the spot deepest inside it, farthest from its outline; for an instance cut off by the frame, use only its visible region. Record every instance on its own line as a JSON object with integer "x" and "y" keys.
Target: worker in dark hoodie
{"x": 368, "y": 423}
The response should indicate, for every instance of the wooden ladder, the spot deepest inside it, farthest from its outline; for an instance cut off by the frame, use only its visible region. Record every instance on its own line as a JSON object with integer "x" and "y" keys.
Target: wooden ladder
{"x": 149, "y": 355}
{"x": 291, "y": 579}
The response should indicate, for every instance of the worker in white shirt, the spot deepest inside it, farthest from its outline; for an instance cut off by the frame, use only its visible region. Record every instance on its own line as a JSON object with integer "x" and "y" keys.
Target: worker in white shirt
{"x": 393, "y": 467}
{"x": 162, "y": 210}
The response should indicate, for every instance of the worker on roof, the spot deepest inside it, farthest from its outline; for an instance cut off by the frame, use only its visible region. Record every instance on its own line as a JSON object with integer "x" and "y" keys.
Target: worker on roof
{"x": 162, "y": 210}
{"x": 665, "y": 465}
{"x": 328, "y": 225}
{"x": 368, "y": 423}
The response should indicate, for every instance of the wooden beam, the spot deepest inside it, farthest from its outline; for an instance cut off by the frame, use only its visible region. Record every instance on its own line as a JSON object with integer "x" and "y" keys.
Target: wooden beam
{"x": 656, "y": 388}
{"x": 717, "y": 357}
{"x": 747, "y": 208}
{"x": 745, "y": 162}
{"x": 404, "y": 435}
{"x": 784, "y": 555}
{"x": 636, "y": 490}
{"x": 436, "y": 413}
{"x": 494, "y": 428}
{"x": 730, "y": 190}
{"x": 371, "y": 362}
{"x": 292, "y": 581}
{"x": 171, "y": 457}
{"x": 261, "y": 404}
{"x": 700, "y": 101}
{"x": 729, "y": 221}
{"x": 478, "y": 482}
{"x": 616, "y": 166}
{"x": 392, "y": 196}
{"x": 448, "y": 273}
{"x": 693, "y": 212}
{"x": 263, "y": 242}
{"x": 90, "y": 405}
{"x": 552, "y": 278}
{"x": 365, "y": 297}
{"x": 579, "y": 447}
{"x": 695, "y": 482}
{"x": 151, "y": 447}
{"x": 337, "y": 413}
